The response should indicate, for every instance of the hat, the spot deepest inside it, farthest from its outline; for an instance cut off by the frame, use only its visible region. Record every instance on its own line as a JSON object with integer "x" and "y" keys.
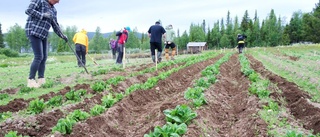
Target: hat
{"x": 127, "y": 28}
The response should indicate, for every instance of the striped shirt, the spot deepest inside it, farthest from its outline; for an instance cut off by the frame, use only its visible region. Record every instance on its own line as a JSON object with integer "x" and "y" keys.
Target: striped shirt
{"x": 37, "y": 25}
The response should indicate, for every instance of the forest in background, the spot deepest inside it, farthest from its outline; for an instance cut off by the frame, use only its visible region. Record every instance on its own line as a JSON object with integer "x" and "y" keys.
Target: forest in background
{"x": 268, "y": 32}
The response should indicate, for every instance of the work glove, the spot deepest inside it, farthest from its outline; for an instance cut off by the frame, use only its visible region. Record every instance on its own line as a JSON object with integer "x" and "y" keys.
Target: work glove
{"x": 65, "y": 38}
{"x": 47, "y": 15}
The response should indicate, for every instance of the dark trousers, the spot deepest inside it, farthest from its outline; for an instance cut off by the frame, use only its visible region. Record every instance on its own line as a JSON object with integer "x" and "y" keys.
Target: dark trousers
{"x": 154, "y": 46}
{"x": 40, "y": 51}
{"x": 114, "y": 52}
{"x": 240, "y": 47}
{"x": 120, "y": 53}
{"x": 81, "y": 52}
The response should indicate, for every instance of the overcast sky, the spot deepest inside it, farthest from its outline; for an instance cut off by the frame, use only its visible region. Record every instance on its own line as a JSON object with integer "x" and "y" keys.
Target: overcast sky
{"x": 141, "y": 14}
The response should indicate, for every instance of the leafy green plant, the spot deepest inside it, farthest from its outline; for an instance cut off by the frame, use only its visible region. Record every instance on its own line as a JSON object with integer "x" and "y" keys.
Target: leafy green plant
{"x": 78, "y": 115}
{"x": 254, "y": 77}
{"x": 181, "y": 114}
{"x": 26, "y": 89}
{"x": 72, "y": 95}
{"x": 115, "y": 80}
{"x": 199, "y": 101}
{"x": 55, "y": 101}
{"x": 48, "y": 84}
{"x": 293, "y": 134}
{"x": 202, "y": 83}
{"x": 193, "y": 93}
{"x": 119, "y": 96}
{"x": 96, "y": 110}
{"x": 272, "y": 106}
{"x": 99, "y": 86}
{"x": 64, "y": 125}
{"x": 5, "y": 115}
{"x": 81, "y": 92}
{"x": 12, "y": 134}
{"x": 3, "y": 96}
{"x": 168, "y": 130}
{"x": 108, "y": 101}
{"x": 99, "y": 72}
{"x": 212, "y": 79}
{"x": 36, "y": 106}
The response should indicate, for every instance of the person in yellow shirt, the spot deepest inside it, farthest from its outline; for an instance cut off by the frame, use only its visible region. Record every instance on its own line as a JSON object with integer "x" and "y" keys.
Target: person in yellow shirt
{"x": 81, "y": 43}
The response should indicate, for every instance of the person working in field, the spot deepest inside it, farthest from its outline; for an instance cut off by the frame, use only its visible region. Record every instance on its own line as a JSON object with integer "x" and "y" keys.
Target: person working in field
{"x": 81, "y": 43}
{"x": 123, "y": 37}
{"x": 168, "y": 41}
{"x": 156, "y": 32}
{"x": 113, "y": 46}
{"x": 41, "y": 16}
{"x": 241, "y": 42}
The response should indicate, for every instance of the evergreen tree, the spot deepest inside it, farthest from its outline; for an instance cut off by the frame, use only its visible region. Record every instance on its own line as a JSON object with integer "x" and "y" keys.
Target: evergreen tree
{"x": 295, "y": 27}
{"x": 98, "y": 43}
{"x": 196, "y": 33}
{"x": 256, "y": 41}
{"x": 245, "y": 22}
{"x": 216, "y": 35}
{"x": 1, "y": 38}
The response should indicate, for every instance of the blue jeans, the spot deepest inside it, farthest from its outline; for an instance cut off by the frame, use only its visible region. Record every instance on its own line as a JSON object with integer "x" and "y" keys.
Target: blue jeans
{"x": 40, "y": 51}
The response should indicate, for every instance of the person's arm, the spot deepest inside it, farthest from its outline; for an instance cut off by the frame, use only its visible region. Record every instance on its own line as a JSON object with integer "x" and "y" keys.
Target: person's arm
{"x": 31, "y": 10}
{"x": 57, "y": 30}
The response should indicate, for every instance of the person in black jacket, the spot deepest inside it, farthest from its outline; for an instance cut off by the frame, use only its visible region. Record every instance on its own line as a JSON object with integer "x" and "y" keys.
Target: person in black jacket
{"x": 156, "y": 32}
{"x": 241, "y": 42}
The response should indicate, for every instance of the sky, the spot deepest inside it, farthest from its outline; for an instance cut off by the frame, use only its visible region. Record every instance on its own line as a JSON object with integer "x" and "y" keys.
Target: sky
{"x": 111, "y": 15}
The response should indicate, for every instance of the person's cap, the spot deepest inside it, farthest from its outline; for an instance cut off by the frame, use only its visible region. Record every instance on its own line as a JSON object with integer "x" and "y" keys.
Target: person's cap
{"x": 127, "y": 28}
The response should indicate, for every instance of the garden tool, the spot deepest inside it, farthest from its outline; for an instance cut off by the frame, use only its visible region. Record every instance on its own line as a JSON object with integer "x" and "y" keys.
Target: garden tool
{"x": 92, "y": 59}
{"x": 74, "y": 52}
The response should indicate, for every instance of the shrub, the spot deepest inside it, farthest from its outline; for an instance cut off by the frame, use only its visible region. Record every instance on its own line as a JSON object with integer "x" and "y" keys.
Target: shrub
{"x": 9, "y": 52}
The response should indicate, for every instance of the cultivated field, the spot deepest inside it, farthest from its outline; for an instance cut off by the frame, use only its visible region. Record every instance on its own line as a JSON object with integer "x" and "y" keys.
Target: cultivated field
{"x": 263, "y": 92}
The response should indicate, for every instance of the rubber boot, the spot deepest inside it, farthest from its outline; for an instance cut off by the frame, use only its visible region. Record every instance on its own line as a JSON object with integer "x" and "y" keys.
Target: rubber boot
{"x": 167, "y": 54}
{"x": 153, "y": 58}
{"x": 159, "y": 57}
{"x": 32, "y": 83}
{"x": 173, "y": 53}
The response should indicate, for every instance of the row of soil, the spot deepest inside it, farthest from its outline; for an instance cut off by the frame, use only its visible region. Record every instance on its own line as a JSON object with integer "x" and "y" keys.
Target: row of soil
{"x": 230, "y": 111}
{"x": 138, "y": 113}
{"x": 298, "y": 101}
{"x": 19, "y": 103}
{"x": 129, "y": 70}
{"x": 41, "y": 124}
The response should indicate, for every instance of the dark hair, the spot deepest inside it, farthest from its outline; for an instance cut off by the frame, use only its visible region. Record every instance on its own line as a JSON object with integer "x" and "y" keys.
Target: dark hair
{"x": 157, "y": 22}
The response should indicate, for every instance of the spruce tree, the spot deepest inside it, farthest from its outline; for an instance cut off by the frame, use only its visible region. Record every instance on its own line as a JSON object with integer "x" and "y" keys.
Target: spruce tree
{"x": 1, "y": 38}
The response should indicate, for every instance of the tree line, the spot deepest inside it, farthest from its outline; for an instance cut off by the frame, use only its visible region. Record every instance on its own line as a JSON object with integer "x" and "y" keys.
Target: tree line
{"x": 269, "y": 32}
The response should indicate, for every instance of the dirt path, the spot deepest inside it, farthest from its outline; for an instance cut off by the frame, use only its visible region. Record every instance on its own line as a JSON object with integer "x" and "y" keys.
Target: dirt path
{"x": 140, "y": 112}
{"x": 297, "y": 99}
{"x": 230, "y": 111}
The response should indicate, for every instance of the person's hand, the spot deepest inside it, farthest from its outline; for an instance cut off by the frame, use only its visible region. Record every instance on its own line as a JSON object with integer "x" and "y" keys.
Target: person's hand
{"x": 47, "y": 15}
{"x": 65, "y": 38}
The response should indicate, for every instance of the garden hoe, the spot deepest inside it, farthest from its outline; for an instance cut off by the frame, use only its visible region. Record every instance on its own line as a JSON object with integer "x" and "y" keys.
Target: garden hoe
{"x": 156, "y": 60}
{"x": 124, "y": 57}
{"x": 74, "y": 52}
{"x": 92, "y": 59}
{"x": 78, "y": 58}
